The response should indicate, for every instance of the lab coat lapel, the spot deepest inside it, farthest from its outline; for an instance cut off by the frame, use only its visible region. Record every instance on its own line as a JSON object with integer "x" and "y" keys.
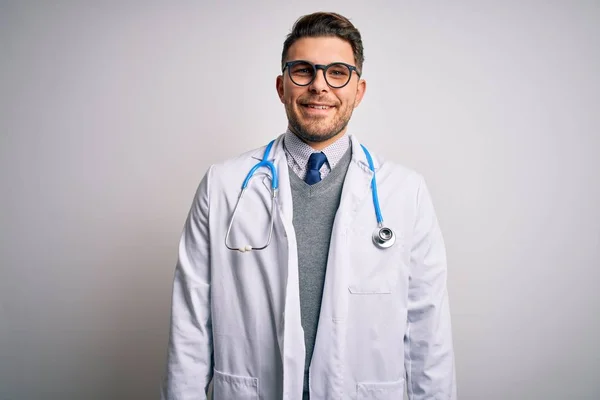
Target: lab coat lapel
{"x": 356, "y": 190}
{"x": 290, "y": 333}
{"x": 332, "y": 331}
{"x": 357, "y": 186}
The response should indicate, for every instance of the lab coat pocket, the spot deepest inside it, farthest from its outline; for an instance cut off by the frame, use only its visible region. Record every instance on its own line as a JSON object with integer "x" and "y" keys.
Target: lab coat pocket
{"x": 373, "y": 288}
{"x": 380, "y": 390}
{"x": 373, "y": 270}
{"x": 229, "y": 387}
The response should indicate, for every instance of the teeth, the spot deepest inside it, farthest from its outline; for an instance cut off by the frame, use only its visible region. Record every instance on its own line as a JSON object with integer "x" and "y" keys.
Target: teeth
{"x": 319, "y": 107}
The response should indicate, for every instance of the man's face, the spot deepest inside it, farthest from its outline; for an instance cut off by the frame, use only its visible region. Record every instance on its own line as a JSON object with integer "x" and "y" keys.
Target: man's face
{"x": 307, "y": 118}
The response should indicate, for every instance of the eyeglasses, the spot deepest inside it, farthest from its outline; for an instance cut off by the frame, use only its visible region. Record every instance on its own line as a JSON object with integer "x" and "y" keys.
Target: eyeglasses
{"x": 303, "y": 73}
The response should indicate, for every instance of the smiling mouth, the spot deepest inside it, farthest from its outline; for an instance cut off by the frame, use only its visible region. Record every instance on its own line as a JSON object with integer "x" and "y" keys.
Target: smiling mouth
{"x": 317, "y": 106}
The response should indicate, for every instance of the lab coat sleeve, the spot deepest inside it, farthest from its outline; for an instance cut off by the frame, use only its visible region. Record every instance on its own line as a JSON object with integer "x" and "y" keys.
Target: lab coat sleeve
{"x": 189, "y": 357}
{"x": 429, "y": 354}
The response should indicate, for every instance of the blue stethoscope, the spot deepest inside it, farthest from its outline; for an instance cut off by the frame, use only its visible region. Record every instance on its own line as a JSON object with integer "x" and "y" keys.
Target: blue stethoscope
{"x": 383, "y": 237}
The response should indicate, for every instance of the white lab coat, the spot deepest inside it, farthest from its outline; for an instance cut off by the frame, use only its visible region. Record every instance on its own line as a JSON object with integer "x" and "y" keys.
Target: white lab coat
{"x": 384, "y": 321}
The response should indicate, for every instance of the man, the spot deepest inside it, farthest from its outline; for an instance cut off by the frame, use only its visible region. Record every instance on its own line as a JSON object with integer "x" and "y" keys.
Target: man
{"x": 295, "y": 298}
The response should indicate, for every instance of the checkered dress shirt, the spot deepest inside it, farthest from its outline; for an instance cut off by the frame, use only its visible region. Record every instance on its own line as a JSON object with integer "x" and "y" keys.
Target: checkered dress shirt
{"x": 298, "y": 152}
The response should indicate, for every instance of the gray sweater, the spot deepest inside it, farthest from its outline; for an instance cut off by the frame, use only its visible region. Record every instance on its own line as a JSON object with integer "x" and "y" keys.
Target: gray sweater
{"x": 314, "y": 207}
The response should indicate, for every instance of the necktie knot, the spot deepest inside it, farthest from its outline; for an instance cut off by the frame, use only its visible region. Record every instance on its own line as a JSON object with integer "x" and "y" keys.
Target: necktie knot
{"x": 315, "y": 162}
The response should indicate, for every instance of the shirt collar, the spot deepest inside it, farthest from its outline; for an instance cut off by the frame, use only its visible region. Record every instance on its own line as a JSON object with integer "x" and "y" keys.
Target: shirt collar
{"x": 301, "y": 151}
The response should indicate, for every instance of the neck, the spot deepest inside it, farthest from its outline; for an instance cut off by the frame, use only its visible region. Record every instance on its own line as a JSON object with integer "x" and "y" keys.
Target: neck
{"x": 323, "y": 144}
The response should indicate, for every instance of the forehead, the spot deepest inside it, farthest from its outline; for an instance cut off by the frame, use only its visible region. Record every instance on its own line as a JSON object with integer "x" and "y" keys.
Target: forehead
{"x": 321, "y": 50}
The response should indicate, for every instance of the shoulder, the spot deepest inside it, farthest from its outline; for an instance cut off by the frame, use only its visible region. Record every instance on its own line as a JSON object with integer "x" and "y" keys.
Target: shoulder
{"x": 227, "y": 176}
{"x": 234, "y": 169}
{"x": 388, "y": 169}
{"x": 231, "y": 172}
{"x": 399, "y": 181}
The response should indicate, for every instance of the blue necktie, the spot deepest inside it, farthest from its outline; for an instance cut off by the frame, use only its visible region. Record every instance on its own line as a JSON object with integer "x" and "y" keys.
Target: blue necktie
{"x": 315, "y": 162}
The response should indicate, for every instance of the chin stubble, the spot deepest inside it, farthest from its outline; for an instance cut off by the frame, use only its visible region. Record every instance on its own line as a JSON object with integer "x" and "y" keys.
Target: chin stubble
{"x": 305, "y": 133}
{"x": 314, "y": 137}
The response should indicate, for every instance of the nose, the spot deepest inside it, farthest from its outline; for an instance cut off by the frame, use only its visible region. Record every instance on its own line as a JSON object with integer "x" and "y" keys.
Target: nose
{"x": 319, "y": 84}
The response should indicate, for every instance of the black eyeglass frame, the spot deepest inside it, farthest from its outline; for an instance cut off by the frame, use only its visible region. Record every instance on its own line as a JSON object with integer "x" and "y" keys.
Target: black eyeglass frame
{"x": 316, "y": 68}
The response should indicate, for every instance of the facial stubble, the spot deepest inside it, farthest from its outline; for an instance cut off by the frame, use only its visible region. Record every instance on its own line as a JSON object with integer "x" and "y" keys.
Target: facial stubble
{"x": 309, "y": 131}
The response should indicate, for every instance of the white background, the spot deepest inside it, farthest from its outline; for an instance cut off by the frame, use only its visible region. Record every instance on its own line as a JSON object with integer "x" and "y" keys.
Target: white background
{"x": 112, "y": 111}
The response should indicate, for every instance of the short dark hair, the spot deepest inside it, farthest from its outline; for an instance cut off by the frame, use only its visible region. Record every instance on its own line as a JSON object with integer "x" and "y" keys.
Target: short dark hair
{"x": 321, "y": 24}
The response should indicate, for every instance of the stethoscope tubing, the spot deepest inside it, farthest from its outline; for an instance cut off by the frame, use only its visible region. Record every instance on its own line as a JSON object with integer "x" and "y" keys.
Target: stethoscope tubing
{"x": 383, "y": 237}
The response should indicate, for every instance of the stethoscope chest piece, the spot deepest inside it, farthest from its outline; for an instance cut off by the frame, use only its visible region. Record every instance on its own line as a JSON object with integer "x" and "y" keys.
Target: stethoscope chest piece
{"x": 384, "y": 237}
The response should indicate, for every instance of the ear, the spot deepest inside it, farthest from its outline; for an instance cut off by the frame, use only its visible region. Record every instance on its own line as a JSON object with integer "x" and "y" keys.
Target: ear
{"x": 360, "y": 92}
{"x": 279, "y": 87}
